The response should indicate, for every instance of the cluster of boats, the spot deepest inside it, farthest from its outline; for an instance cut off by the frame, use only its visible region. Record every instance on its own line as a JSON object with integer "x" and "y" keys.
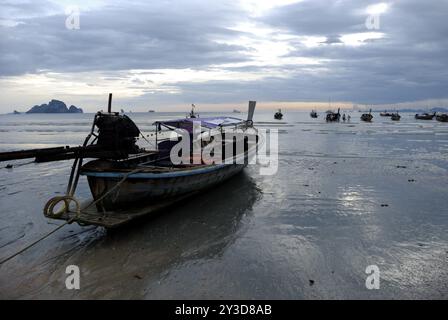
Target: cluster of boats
{"x": 443, "y": 117}
{"x": 419, "y": 116}
{"x": 122, "y": 175}
{"x": 393, "y": 115}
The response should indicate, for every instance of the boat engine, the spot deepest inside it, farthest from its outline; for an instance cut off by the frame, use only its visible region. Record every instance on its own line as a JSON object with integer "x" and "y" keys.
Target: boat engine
{"x": 117, "y": 132}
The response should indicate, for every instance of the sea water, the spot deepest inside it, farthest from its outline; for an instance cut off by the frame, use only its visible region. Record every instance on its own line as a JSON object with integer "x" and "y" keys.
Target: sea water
{"x": 346, "y": 196}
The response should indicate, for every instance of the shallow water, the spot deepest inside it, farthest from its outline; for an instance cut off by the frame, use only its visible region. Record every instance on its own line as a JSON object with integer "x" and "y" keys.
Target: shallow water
{"x": 319, "y": 218}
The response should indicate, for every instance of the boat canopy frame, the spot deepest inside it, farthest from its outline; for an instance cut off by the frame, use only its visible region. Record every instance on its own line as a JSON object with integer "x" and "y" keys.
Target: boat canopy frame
{"x": 207, "y": 123}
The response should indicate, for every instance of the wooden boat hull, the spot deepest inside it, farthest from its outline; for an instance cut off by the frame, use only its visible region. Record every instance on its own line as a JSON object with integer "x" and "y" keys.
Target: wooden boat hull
{"x": 148, "y": 187}
{"x": 424, "y": 116}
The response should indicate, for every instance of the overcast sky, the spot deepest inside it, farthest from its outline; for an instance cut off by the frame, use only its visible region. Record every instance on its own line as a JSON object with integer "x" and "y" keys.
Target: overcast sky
{"x": 165, "y": 54}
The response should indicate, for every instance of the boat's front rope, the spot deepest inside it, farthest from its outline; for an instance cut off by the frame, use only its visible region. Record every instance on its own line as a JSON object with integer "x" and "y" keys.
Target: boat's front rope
{"x": 49, "y": 212}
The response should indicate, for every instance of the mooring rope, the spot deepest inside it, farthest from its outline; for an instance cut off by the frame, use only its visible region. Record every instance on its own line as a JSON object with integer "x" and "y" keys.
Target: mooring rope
{"x": 36, "y": 242}
{"x": 49, "y": 212}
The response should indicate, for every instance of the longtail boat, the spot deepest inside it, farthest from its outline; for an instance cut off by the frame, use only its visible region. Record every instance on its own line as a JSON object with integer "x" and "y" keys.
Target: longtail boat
{"x": 278, "y": 115}
{"x": 442, "y": 117}
{"x": 333, "y": 116}
{"x": 425, "y": 116}
{"x": 367, "y": 117}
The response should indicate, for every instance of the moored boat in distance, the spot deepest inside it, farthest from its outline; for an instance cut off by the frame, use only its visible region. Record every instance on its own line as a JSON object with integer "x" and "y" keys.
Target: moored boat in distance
{"x": 442, "y": 117}
{"x": 278, "y": 115}
{"x": 333, "y": 116}
{"x": 425, "y": 116}
{"x": 150, "y": 110}
{"x": 313, "y": 114}
{"x": 236, "y": 111}
{"x": 385, "y": 114}
{"x": 367, "y": 117}
{"x": 395, "y": 116}
{"x": 192, "y": 114}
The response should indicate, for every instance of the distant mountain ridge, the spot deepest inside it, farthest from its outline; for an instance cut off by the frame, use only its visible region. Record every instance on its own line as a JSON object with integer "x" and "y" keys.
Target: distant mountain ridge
{"x": 54, "y": 106}
{"x": 430, "y": 110}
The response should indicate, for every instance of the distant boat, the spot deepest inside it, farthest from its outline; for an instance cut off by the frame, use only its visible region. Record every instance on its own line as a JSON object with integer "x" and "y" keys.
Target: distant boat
{"x": 278, "y": 115}
{"x": 151, "y": 111}
{"x": 333, "y": 116}
{"x": 236, "y": 111}
{"x": 395, "y": 116}
{"x": 313, "y": 114}
{"x": 442, "y": 117}
{"x": 367, "y": 117}
{"x": 425, "y": 116}
{"x": 192, "y": 114}
{"x": 121, "y": 111}
{"x": 386, "y": 114}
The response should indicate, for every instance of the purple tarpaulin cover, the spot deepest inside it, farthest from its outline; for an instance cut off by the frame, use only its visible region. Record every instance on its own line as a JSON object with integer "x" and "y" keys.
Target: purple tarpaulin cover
{"x": 213, "y": 122}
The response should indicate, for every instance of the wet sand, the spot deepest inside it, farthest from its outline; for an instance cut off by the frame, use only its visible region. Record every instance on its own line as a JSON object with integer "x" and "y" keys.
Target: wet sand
{"x": 345, "y": 196}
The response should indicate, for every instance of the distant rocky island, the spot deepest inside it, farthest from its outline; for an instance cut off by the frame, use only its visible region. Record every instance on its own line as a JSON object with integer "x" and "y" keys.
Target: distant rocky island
{"x": 54, "y": 106}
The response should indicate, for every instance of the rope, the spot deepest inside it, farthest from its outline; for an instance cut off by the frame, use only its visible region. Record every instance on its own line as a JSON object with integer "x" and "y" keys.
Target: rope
{"x": 36, "y": 242}
{"x": 51, "y": 204}
{"x": 49, "y": 212}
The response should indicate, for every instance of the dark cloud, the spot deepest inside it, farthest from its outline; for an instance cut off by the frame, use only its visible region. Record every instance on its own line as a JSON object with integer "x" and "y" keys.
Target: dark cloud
{"x": 408, "y": 63}
{"x": 164, "y": 35}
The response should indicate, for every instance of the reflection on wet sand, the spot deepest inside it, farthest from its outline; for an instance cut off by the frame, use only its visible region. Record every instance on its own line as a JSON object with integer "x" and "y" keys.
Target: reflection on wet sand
{"x": 124, "y": 263}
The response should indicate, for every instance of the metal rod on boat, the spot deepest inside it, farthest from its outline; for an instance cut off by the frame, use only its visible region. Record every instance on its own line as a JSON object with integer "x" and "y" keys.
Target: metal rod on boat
{"x": 109, "y": 106}
{"x": 250, "y": 111}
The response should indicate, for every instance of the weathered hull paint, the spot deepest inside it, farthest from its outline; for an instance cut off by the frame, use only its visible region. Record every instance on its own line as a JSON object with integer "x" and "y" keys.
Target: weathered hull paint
{"x": 154, "y": 187}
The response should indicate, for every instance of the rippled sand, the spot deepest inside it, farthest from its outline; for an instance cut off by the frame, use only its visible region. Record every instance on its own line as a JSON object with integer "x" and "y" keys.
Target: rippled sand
{"x": 345, "y": 196}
